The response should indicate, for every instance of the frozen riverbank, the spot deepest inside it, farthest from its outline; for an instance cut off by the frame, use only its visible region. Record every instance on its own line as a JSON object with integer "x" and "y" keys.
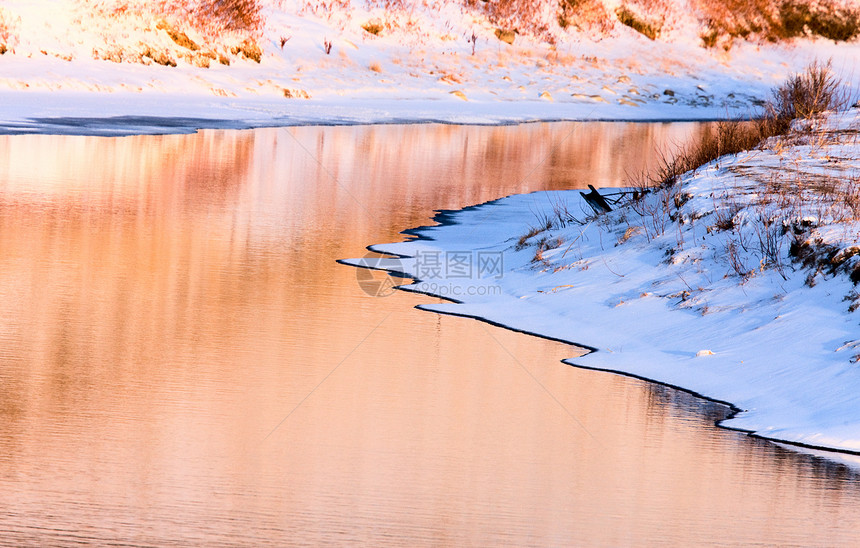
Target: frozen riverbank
{"x": 62, "y": 113}
{"x": 684, "y": 287}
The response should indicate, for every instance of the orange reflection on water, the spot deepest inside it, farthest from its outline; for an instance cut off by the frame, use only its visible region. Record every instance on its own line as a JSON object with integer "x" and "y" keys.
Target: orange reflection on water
{"x": 182, "y": 360}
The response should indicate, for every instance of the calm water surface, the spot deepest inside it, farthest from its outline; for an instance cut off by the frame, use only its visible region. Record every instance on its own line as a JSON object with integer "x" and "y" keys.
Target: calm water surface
{"x": 182, "y": 362}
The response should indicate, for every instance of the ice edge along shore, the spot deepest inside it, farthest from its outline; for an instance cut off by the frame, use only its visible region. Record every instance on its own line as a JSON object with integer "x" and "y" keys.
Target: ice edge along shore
{"x": 778, "y": 345}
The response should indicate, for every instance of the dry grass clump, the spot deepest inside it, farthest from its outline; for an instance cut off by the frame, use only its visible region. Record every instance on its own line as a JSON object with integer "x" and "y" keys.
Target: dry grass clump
{"x": 373, "y": 27}
{"x": 542, "y": 246}
{"x": 296, "y": 94}
{"x": 156, "y": 56}
{"x": 248, "y": 49}
{"x": 724, "y": 137}
{"x": 533, "y": 231}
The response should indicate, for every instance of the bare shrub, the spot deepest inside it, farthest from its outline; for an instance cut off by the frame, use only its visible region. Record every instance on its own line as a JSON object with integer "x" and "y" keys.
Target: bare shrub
{"x": 719, "y": 139}
{"x": 655, "y": 209}
{"x": 736, "y": 262}
{"x": 562, "y": 215}
{"x": 724, "y": 217}
{"x": 806, "y": 94}
{"x": 769, "y": 233}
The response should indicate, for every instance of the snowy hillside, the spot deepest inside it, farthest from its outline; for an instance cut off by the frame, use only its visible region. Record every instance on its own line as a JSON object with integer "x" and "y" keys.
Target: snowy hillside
{"x": 449, "y": 59}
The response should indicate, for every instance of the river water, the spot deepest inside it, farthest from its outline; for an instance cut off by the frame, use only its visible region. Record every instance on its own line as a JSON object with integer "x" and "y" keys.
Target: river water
{"x": 182, "y": 361}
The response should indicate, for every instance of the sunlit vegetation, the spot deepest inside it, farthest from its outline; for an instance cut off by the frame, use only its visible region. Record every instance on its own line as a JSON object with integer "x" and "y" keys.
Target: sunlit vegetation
{"x": 801, "y": 97}
{"x": 725, "y": 21}
{"x": 205, "y": 31}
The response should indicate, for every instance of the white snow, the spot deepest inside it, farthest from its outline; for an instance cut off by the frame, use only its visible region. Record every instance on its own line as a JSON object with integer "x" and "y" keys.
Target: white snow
{"x": 654, "y": 292}
{"x": 420, "y": 68}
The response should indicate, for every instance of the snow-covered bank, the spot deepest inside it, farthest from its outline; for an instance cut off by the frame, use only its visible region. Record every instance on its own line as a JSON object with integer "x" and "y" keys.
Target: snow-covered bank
{"x": 140, "y": 114}
{"x": 701, "y": 286}
{"x": 66, "y": 60}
